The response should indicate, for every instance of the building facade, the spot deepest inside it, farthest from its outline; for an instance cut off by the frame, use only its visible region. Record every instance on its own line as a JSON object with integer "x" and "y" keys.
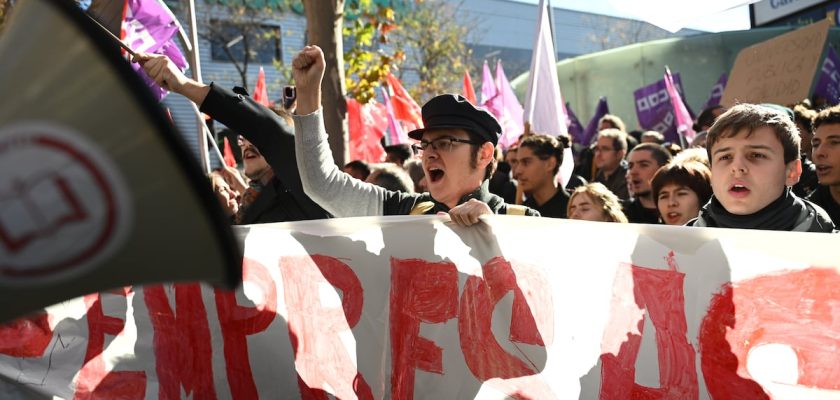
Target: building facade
{"x": 500, "y": 30}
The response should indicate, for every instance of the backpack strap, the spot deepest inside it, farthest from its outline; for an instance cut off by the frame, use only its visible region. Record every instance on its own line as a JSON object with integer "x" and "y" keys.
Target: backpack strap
{"x": 516, "y": 209}
{"x": 422, "y": 208}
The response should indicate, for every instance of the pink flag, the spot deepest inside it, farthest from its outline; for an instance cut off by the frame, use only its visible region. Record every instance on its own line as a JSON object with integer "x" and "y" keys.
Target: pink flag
{"x": 684, "y": 121}
{"x": 260, "y": 92}
{"x": 469, "y": 92}
{"x": 488, "y": 90}
{"x": 396, "y": 134}
{"x": 510, "y": 116}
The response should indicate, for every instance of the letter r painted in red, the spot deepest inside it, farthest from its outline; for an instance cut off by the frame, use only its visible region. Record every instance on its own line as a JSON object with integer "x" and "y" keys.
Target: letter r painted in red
{"x": 321, "y": 358}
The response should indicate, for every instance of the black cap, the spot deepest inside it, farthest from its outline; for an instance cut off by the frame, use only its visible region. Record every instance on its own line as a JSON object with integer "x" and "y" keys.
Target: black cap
{"x": 452, "y": 111}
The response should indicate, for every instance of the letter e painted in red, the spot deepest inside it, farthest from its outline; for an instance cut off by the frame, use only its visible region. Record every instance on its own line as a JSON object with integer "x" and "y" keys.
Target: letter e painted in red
{"x": 660, "y": 292}
{"x": 239, "y": 322}
{"x": 181, "y": 342}
{"x": 321, "y": 359}
{"x": 421, "y": 291}
{"x": 93, "y": 382}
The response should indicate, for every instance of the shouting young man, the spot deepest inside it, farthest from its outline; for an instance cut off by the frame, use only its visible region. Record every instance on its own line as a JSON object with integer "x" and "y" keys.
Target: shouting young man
{"x": 457, "y": 146}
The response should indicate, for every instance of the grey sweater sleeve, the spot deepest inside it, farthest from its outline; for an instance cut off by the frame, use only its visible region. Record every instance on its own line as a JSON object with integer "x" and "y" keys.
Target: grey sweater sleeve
{"x": 335, "y": 191}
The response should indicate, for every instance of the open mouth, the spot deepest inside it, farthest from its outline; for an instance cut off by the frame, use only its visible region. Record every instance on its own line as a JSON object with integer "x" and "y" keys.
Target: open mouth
{"x": 739, "y": 190}
{"x": 823, "y": 169}
{"x": 435, "y": 175}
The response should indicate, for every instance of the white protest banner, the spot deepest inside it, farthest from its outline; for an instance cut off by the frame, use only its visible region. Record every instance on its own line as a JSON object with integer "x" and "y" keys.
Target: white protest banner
{"x": 413, "y": 307}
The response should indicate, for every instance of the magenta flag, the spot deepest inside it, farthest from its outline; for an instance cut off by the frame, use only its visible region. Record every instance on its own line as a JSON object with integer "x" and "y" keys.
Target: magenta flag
{"x": 684, "y": 120}
{"x": 396, "y": 134}
{"x": 510, "y": 115}
{"x": 149, "y": 28}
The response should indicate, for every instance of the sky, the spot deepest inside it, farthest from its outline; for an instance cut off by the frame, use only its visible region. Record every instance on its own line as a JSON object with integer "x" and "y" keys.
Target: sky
{"x": 732, "y": 20}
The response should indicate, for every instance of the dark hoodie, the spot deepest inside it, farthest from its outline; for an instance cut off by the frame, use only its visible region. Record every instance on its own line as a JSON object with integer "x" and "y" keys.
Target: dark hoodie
{"x": 787, "y": 213}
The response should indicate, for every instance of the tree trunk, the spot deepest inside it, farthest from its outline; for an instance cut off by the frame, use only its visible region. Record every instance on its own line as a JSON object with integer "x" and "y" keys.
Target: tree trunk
{"x": 324, "y": 20}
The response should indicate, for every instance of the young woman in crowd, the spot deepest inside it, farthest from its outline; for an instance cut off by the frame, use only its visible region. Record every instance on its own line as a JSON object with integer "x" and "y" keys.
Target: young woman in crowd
{"x": 594, "y": 202}
{"x": 680, "y": 189}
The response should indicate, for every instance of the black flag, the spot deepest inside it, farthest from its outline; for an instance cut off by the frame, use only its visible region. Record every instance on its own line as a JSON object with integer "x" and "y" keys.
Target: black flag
{"x": 97, "y": 190}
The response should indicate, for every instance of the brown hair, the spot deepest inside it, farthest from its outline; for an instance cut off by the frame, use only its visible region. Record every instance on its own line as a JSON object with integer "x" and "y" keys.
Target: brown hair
{"x": 830, "y": 115}
{"x": 619, "y": 138}
{"x": 613, "y": 120}
{"x": 749, "y": 118}
{"x": 545, "y": 146}
{"x": 692, "y": 174}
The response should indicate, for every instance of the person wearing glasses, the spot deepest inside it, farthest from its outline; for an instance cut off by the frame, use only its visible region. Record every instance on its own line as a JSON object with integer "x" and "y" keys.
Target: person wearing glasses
{"x": 456, "y": 146}
{"x": 610, "y": 148}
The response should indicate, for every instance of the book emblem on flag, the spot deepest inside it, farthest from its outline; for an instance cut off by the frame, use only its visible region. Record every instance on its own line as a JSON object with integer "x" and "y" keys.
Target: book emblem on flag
{"x": 63, "y": 206}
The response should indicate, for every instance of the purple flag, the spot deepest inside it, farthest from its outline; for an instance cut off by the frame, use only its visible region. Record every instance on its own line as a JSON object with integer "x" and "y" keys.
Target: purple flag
{"x": 395, "y": 135}
{"x": 149, "y": 28}
{"x": 592, "y": 127}
{"x": 654, "y": 108}
{"x": 573, "y": 125}
{"x": 828, "y": 84}
{"x": 717, "y": 92}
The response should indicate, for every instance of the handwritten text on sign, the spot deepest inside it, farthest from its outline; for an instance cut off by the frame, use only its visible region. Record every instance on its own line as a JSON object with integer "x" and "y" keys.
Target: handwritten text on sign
{"x": 373, "y": 310}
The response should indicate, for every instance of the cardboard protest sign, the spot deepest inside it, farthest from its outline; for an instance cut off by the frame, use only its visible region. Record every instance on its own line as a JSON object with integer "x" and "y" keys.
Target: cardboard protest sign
{"x": 413, "y": 307}
{"x": 97, "y": 190}
{"x": 779, "y": 70}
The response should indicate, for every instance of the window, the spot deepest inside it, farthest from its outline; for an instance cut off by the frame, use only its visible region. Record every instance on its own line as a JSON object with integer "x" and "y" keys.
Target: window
{"x": 264, "y": 41}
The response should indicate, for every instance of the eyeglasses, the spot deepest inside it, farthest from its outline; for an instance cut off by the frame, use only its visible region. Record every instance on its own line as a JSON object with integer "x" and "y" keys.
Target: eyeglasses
{"x": 443, "y": 144}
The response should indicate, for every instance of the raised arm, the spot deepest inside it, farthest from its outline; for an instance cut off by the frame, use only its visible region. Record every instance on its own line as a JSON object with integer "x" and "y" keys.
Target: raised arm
{"x": 238, "y": 111}
{"x": 323, "y": 181}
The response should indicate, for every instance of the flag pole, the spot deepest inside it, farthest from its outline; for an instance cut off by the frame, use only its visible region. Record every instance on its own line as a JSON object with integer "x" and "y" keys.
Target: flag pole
{"x": 195, "y": 68}
{"x": 113, "y": 37}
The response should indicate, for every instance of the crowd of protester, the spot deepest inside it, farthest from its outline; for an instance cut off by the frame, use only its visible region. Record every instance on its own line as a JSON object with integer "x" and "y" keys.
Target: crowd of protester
{"x": 750, "y": 166}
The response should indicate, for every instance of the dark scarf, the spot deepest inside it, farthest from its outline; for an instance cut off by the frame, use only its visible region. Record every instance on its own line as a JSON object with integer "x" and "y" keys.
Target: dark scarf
{"x": 780, "y": 215}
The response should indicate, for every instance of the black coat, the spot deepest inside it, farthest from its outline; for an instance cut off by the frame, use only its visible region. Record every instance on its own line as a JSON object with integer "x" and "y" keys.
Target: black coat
{"x": 283, "y": 198}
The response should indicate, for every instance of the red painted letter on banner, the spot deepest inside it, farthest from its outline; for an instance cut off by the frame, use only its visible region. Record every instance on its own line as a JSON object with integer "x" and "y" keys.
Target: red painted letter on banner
{"x": 321, "y": 358}
{"x": 181, "y": 342}
{"x": 660, "y": 292}
{"x": 484, "y": 356}
{"x": 26, "y": 337}
{"x": 239, "y": 322}
{"x": 93, "y": 381}
{"x": 421, "y": 291}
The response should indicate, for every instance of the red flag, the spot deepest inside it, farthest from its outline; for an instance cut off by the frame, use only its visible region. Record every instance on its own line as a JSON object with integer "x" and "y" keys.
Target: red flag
{"x": 260, "y": 92}
{"x": 366, "y": 125}
{"x": 405, "y": 108}
{"x": 469, "y": 92}
{"x": 230, "y": 161}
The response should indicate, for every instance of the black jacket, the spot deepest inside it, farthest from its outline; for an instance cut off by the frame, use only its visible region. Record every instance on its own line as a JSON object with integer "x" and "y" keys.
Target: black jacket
{"x": 400, "y": 203}
{"x": 283, "y": 198}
